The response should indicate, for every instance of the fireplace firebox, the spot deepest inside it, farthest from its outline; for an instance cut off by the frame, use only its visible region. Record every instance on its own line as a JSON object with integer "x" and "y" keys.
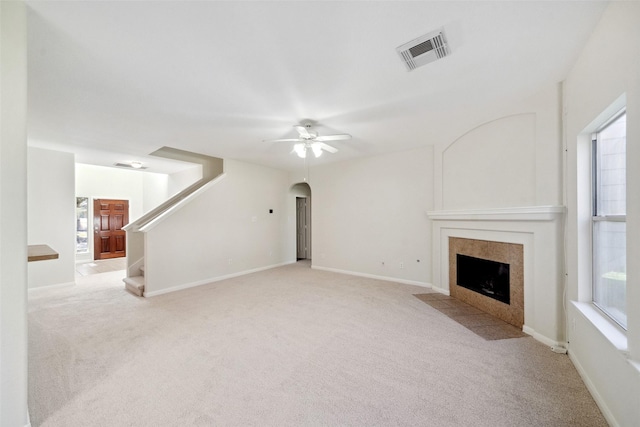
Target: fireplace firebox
{"x": 486, "y": 277}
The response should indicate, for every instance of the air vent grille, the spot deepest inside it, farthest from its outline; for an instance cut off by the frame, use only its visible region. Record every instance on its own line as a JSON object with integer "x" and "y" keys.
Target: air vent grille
{"x": 423, "y": 50}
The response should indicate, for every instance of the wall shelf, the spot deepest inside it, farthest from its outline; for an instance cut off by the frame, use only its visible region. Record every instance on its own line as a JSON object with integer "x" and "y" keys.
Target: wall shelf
{"x": 41, "y": 253}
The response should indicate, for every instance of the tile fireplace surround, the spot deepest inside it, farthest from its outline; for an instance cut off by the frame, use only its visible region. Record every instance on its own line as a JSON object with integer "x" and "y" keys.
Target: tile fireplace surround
{"x": 539, "y": 229}
{"x": 507, "y": 253}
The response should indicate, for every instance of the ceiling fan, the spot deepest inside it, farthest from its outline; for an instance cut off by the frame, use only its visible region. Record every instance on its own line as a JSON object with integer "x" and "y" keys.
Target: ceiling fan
{"x": 308, "y": 139}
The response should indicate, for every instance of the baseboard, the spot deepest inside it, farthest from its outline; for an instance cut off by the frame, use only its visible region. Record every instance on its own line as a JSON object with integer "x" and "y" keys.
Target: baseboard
{"x": 594, "y": 392}
{"x": 213, "y": 279}
{"x": 557, "y": 346}
{"x": 440, "y": 290}
{"x": 49, "y": 287}
{"x": 373, "y": 276}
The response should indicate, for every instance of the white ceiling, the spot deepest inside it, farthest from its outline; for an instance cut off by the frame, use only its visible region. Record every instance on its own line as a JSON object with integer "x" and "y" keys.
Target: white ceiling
{"x": 217, "y": 78}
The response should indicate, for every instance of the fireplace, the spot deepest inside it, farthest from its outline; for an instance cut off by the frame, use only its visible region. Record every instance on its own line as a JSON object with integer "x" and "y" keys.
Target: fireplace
{"x": 489, "y": 278}
{"x": 488, "y": 275}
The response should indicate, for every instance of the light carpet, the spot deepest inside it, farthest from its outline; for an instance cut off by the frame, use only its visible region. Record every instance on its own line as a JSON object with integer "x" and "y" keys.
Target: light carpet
{"x": 289, "y": 346}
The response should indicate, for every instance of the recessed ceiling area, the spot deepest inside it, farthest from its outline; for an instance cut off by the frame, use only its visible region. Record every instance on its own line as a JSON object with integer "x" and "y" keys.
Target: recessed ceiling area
{"x": 115, "y": 81}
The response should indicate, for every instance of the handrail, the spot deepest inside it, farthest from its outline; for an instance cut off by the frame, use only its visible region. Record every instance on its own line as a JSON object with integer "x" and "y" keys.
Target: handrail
{"x": 151, "y": 218}
{"x": 212, "y": 169}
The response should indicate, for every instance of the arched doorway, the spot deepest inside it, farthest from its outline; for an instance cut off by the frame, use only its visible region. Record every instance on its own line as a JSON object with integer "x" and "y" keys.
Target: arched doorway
{"x": 302, "y": 194}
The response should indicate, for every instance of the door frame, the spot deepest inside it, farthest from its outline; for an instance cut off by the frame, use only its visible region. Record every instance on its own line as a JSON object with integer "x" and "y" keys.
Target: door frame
{"x": 301, "y": 190}
{"x": 307, "y": 230}
{"x": 96, "y": 224}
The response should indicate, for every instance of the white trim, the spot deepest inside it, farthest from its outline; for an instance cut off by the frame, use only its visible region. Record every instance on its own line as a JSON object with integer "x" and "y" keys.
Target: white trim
{"x": 179, "y": 204}
{"x": 542, "y": 338}
{"x": 610, "y": 331}
{"x": 212, "y": 280}
{"x": 527, "y": 213}
{"x": 373, "y": 276}
{"x": 606, "y": 412}
{"x": 55, "y": 286}
{"x": 440, "y": 290}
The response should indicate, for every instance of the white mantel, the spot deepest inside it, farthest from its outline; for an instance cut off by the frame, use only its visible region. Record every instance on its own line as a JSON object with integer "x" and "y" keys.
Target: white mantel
{"x": 540, "y": 230}
{"x": 528, "y": 213}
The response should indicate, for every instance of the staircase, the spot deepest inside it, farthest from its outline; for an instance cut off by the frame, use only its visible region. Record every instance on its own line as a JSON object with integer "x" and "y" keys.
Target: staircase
{"x": 135, "y": 284}
{"x": 212, "y": 172}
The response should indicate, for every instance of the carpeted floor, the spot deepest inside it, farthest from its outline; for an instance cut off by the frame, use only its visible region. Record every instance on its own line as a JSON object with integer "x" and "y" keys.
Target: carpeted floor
{"x": 285, "y": 347}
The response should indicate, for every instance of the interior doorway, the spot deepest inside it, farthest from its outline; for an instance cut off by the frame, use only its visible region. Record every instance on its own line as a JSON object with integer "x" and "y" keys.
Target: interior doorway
{"x": 302, "y": 228}
{"x": 109, "y": 239}
{"x": 302, "y": 194}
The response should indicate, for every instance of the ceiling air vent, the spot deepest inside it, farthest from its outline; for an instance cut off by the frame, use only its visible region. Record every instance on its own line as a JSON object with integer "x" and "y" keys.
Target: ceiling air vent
{"x": 423, "y": 50}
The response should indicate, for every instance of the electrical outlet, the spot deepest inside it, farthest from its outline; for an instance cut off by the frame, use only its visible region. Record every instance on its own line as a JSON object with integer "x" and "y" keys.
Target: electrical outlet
{"x": 230, "y": 261}
{"x": 402, "y": 265}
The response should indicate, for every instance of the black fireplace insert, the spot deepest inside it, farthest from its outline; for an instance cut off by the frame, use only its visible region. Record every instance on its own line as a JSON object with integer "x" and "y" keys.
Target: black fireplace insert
{"x": 489, "y": 278}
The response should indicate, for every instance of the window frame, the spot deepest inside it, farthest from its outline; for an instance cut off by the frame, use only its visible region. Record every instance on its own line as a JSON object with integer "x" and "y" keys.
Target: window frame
{"x": 596, "y": 217}
{"x": 87, "y": 225}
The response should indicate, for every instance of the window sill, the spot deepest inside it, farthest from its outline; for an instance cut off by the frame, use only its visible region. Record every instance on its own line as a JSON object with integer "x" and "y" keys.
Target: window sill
{"x": 612, "y": 332}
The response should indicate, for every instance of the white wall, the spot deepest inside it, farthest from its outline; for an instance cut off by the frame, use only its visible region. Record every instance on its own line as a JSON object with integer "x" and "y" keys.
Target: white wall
{"x": 513, "y": 160}
{"x": 155, "y": 190}
{"x": 51, "y": 214}
{"x": 605, "y": 73}
{"x": 491, "y": 166}
{"x": 13, "y": 214}
{"x": 100, "y": 182}
{"x": 371, "y": 211}
{"x": 181, "y": 180}
{"x": 226, "y": 230}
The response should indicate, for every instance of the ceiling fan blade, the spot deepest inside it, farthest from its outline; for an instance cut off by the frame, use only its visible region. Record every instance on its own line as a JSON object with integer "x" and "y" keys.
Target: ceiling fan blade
{"x": 327, "y": 147}
{"x": 283, "y": 140}
{"x": 304, "y": 133}
{"x": 333, "y": 137}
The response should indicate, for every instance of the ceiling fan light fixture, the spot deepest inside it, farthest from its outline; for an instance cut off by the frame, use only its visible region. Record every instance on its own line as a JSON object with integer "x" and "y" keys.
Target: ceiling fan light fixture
{"x": 309, "y": 141}
{"x": 300, "y": 150}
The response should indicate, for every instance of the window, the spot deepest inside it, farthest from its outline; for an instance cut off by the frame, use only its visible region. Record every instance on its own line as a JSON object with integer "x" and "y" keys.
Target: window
{"x": 82, "y": 204}
{"x": 609, "y": 219}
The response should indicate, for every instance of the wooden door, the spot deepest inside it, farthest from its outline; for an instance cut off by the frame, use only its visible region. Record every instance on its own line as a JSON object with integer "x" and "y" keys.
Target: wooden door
{"x": 301, "y": 227}
{"x": 109, "y": 239}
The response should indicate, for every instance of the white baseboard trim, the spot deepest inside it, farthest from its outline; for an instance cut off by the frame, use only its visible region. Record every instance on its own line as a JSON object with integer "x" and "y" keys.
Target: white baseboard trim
{"x": 594, "y": 392}
{"x": 440, "y": 290}
{"x": 49, "y": 287}
{"x": 373, "y": 276}
{"x": 543, "y": 339}
{"x": 213, "y": 279}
